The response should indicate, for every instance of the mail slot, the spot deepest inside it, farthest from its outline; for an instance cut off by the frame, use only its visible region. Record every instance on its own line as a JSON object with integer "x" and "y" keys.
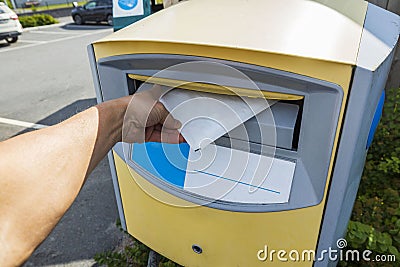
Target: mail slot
{"x": 284, "y": 123}
{"x": 278, "y": 110}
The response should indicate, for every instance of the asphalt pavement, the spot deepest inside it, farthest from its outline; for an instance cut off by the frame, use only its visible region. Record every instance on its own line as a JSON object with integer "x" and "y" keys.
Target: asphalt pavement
{"x": 45, "y": 78}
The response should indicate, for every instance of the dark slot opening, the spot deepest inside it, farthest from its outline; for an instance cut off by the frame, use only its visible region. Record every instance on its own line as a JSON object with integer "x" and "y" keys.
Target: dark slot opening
{"x": 296, "y": 132}
{"x": 133, "y": 85}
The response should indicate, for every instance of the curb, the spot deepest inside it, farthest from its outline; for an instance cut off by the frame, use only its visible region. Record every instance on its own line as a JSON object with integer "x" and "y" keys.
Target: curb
{"x": 45, "y": 26}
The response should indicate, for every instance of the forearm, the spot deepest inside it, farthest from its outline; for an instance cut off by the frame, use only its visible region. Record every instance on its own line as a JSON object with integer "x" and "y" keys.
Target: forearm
{"x": 42, "y": 172}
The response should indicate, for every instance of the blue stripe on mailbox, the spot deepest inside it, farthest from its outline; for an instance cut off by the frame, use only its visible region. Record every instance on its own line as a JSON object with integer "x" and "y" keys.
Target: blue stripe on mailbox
{"x": 166, "y": 161}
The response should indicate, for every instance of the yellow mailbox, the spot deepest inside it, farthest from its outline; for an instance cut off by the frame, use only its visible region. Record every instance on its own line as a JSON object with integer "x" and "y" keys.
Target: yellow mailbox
{"x": 325, "y": 62}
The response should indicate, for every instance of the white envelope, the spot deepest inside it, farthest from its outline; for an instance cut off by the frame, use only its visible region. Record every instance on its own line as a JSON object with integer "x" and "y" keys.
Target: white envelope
{"x": 237, "y": 176}
{"x": 206, "y": 116}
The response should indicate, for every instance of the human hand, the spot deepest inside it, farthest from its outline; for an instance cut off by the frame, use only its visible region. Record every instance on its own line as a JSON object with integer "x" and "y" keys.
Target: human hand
{"x": 147, "y": 120}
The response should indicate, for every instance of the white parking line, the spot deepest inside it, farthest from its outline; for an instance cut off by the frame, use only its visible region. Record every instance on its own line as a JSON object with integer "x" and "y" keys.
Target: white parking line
{"x": 53, "y": 41}
{"x": 31, "y": 41}
{"x": 22, "y": 123}
{"x": 50, "y": 32}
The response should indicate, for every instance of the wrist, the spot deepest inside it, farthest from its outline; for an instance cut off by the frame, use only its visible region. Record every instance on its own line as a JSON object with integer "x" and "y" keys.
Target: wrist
{"x": 111, "y": 118}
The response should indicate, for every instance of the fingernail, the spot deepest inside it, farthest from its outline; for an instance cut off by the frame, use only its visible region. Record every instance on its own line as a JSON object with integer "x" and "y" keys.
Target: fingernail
{"x": 178, "y": 124}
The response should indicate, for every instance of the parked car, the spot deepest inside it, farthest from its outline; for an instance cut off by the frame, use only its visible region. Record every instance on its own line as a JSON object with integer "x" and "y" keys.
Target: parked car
{"x": 96, "y": 10}
{"x": 10, "y": 27}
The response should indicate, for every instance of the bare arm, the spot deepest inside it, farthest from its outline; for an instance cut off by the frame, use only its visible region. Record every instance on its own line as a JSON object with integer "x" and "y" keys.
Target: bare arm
{"x": 42, "y": 172}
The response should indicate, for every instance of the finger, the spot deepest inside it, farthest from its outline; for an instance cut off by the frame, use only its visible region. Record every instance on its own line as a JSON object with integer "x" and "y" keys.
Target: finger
{"x": 161, "y": 128}
{"x": 164, "y": 137}
{"x": 182, "y": 139}
{"x": 149, "y": 132}
{"x": 172, "y": 137}
{"x": 158, "y": 127}
{"x": 157, "y": 115}
{"x": 169, "y": 138}
{"x": 171, "y": 123}
{"x": 165, "y": 118}
{"x": 155, "y": 133}
{"x": 154, "y": 137}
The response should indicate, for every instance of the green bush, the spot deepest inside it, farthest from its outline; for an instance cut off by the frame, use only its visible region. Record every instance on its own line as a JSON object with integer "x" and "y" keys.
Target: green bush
{"x": 375, "y": 222}
{"x": 27, "y": 21}
{"x": 8, "y": 2}
{"x": 37, "y": 20}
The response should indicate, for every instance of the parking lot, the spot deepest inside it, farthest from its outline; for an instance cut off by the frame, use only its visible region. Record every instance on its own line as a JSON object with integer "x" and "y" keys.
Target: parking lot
{"x": 45, "y": 78}
{"x": 66, "y": 30}
{"x": 46, "y": 70}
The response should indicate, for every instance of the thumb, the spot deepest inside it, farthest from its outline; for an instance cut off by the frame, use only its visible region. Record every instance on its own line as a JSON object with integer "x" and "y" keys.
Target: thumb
{"x": 169, "y": 121}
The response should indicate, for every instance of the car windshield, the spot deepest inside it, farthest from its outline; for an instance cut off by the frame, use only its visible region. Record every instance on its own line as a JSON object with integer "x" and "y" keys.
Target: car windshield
{"x": 91, "y": 5}
{"x": 4, "y": 9}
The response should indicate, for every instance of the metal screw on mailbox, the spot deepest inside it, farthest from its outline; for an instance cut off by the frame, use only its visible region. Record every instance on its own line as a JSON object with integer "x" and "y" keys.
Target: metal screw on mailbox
{"x": 197, "y": 249}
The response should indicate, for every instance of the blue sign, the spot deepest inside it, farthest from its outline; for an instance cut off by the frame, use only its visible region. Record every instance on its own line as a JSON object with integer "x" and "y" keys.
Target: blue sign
{"x": 127, "y": 4}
